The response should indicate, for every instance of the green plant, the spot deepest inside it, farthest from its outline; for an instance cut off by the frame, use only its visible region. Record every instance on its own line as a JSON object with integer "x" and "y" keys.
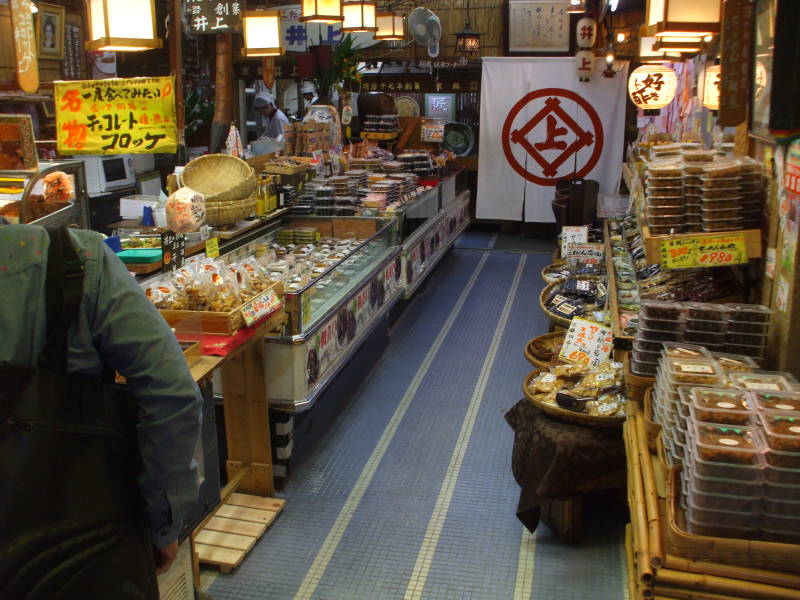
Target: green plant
{"x": 199, "y": 109}
{"x": 343, "y": 68}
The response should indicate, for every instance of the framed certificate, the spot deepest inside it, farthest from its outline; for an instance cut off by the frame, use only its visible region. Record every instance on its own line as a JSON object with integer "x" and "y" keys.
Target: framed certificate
{"x": 538, "y": 28}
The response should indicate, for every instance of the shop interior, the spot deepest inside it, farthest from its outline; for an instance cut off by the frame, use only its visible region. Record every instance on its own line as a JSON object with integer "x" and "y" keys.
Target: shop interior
{"x": 485, "y": 299}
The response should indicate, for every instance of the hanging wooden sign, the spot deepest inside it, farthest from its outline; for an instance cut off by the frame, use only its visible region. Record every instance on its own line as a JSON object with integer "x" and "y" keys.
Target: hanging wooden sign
{"x": 736, "y": 61}
{"x": 214, "y": 16}
{"x": 24, "y": 46}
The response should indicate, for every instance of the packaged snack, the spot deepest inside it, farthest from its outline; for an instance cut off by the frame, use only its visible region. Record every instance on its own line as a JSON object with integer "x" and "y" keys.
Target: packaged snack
{"x": 752, "y": 313}
{"x": 735, "y": 363}
{"x": 720, "y": 213}
{"x": 704, "y": 338}
{"x": 721, "y": 203}
{"x": 681, "y": 350}
{"x": 666, "y": 220}
{"x": 722, "y": 224}
{"x": 731, "y": 407}
{"x": 546, "y": 382}
{"x": 706, "y": 312}
{"x": 718, "y": 193}
{"x": 699, "y": 371}
{"x": 218, "y": 293}
{"x": 698, "y": 156}
{"x": 727, "y": 444}
{"x": 760, "y": 382}
{"x": 660, "y": 182}
{"x": 723, "y": 169}
{"x": 777, "y": 401}
{"x": 666, "y": 211}
{"x": 782, "y": 430}
{"x": 667, "y": 230}
{"x": 166, "y": 295}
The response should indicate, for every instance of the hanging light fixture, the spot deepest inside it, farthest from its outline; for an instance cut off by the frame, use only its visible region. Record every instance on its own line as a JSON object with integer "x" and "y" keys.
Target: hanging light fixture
{"x": 683, "y": 18}
{"x": 646, "y": 52}
{"x": 576, "y": 6}
{"x": 678, "y": 44}
{"x": 584, "y": 64}
{"x": 359, "y": 16}
{"x": 122, "y": 26}
{"x": 652, "y": 87}
{"x": 711, "y": 84}
{"x": 321, "y": 11}
{"x": 467, "y": 40}
{"x": 390, "y": 26}
{"x": 262, "y": 33}
{"x": 586, "y": 32}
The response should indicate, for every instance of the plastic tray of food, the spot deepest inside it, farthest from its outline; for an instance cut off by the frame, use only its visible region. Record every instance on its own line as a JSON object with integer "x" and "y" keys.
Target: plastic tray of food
{"x": 780, "y": 537}
{"x": 760, "y": 382}
{"x": 665, "y": 192}
{"x": 694, "y": 220}
{"x": 726, "y": 502}
{"x": 667, "y": 230}
{"x": 723, "y": 169}
{"x": 656, "y": 309}
{"x": 775, "y": 475}
{"x": 728, "y": 444}
{"x": 735, "y": 363}
{"x": 748, "y": 327}
{"x": 684, "y": 350}
{"x": 781, "y": 507}
{"x": 703, "y": 338}
{"x": 747, "y": 339}
{"x": 654, "y": 335}
{"x": 643, "y": 368}
{"x": 721, "y": 530}
{"x": 694, "y": 209}
{"x": 731, "y": 407}
{"x": 786, "y": 524}
{"x": 749, "y": 165}
{"x": 657, "y": 201}
{"x": 757, "y": 352}
{"x": 777, "y": 401}
{"x": 782, "y": 459}
{"x": 709, "y": 326}
{"x": 720, "y": 213}
{"x": 720, "y": 203}
{"x": 753, "y": 313}
{"x": 782, "y": 430}
{"x": 666, "y": 220}
{"x": 647, "y": 345}
{"x": 644, "y": 356}
{"x": 692, "y": 179}
{"x": 728, "y": 487}
{"x": 685, "y": 371}
{"x": 709, "y": 183}
{"x": 666, "y": 211}
{"x": 706, "y": 312}
{"x": 721, "y": 193}
{"x": 722, "y": 224}
{"x": 733, "y": 518}
{"x": 699, "y": 156}
{"x": 693, "y": 170}
{"x": 753, "y": 472}
{"x": 656, "y": 181}
{"x": 780, "y": 492}
{"x": 751, "y": 187}
{"x": 664, "y": 169}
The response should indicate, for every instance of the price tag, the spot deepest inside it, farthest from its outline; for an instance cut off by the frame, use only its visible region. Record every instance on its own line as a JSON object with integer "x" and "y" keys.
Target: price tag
{"x": 266, "y": 303}
{"x": 587, "y": 253}
{"x": 212, "y": 247}
{"x": 707, "y": 251}
{"x": 587, "y": 342}
{"x": 695, "y": 369}
{"x": 573, "y": 235}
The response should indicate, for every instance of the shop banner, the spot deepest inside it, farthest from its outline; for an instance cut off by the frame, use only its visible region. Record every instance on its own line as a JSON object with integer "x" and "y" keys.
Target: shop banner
{"x": 539, "y": 124}
{"x": 116, "y": 116}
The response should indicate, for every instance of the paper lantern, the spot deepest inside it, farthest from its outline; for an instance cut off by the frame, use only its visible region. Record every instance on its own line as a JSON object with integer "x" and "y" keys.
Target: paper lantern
{"x": 652, "y": 87}
{"x": 586, "y": 32}
{"x": 321, "y": 11}
{"x": 584, "y": 64}
{"x": 711, "y": 84}
{"x": 390, "y": 26}
{"x": 122, "y": 26}
{"x": 576, "y": 6}
{"x": 683, "y": 17}
{"x": 262, "y": 33}
{"x": 359, "y": 16}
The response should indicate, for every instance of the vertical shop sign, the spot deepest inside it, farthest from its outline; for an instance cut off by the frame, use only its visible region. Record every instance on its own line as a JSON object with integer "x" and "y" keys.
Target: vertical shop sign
{"x": 116, "y": 116}
{"x": 72, "y": 67}
{"x": 214, "y": 16}
{"x": 736, "y": 61}
{"x": 24, "y": 46}
{"x": 173, "y": 248}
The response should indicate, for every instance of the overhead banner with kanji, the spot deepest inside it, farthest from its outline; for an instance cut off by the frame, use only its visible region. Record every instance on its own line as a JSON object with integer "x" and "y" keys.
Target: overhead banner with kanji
{"x": 116, "y": 116}
{"x": 539, "y": 125}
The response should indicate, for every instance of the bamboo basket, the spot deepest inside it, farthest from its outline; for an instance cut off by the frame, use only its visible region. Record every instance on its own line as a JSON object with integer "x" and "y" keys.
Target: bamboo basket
{"x": 651, "y": 428}
{"x": 220, "y": 177}
{"x": 549, "y": 290}
{"x": 552, "y": 340}
{"x": 568, "y": 415}
{"x": 543, "y": 273}
{"x": 636, "y": 385}
{"x": 744, "y": 553}
{"x": 276, "y": 168}
{"x": 228, "y": 213}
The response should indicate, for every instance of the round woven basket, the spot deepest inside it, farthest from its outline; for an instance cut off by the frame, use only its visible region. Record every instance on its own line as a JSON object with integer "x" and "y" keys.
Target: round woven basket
{"x": 545, "y": 273}
{"x": 550, "y": 340}
{"x": 568, "y": 415}
{"x": 548, "y": 291}
{"x": 220, "y": 177}
{"x": 228, "y": 213}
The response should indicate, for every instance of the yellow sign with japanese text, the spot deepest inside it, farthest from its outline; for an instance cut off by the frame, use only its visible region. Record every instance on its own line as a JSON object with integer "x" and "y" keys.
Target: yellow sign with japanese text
{"x": 718, "y": 250}
{"x": 116, "y": 116}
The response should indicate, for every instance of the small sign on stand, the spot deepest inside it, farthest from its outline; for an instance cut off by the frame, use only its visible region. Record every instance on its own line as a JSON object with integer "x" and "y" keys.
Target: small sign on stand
{"x": 573, "y": 235}
{"x": 173, "y": 251}
{"x": 587, "y": 343}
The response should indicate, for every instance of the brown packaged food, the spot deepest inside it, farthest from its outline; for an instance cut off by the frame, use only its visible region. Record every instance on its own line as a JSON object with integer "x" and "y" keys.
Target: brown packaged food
{"x": 666, "y": 192}
{"x": 723, "y": 169}
{"x": 727, "y": 444}
{"x": 729, "y": 407}
{"x": 711, "y": 184}
{"x": 782, "y": 430}
{"x": 779, "y": 401}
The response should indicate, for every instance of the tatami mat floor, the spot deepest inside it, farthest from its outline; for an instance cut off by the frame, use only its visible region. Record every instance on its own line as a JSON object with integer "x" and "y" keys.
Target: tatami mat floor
{"x": 410, "y": 495}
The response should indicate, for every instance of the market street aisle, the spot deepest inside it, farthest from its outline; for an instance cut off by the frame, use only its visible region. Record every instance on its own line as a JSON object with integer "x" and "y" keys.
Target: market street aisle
{"x": 410, "y": 496}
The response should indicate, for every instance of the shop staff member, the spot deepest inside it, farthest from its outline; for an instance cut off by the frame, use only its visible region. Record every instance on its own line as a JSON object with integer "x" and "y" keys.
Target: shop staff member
{"x": 275, "y": 119}
{"x": 309, "y": 93}
{"x": 116, "y": 328}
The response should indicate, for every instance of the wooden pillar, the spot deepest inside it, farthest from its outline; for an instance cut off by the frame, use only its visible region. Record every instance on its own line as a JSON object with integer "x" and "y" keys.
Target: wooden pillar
{"x": 247, "y": 418}
{"x": 176, "y": 64}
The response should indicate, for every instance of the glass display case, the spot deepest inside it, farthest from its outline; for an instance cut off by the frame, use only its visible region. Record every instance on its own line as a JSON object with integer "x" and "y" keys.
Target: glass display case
{"x": 21, "y": 196}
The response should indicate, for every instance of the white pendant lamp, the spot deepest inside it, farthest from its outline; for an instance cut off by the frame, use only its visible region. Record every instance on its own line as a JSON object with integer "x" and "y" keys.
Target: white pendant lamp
{"x": 321, "y": 11}
{"x": 359, "y": 16}
{"x": 652, "y": 87}
{"x": 262, "y": 33}
{"x": 683, "y": 18}
{"x": 711, "y": 85}
{"x": 122, "y": 26}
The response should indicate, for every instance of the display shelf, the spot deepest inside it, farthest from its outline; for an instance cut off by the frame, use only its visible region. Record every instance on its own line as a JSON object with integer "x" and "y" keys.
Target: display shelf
{"x": 621, "y": 340}
{"x": 652, "y": 243}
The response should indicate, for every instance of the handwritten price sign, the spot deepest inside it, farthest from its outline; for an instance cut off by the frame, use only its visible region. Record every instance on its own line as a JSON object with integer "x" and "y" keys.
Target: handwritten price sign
{"x": 261, "y": 306}
{"x": 587, "y": 343}
{"x": 116, "y": 116}
{"x": 707, "y": 251}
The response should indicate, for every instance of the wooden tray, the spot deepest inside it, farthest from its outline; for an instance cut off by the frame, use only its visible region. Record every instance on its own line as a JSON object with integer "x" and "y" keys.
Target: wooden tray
{"x": 568, "y": 415}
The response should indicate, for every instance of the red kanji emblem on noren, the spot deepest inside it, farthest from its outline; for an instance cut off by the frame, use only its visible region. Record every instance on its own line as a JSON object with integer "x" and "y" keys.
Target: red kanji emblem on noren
{"x": 561, "y": 133}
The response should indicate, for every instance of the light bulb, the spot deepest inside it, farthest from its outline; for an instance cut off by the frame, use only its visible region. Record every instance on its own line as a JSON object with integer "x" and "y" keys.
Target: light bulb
{"x": 708, "y": 38}
{"x": 620, "y": 37}
{"x": 610, "y": 57}
{"x": 34, "y": 8}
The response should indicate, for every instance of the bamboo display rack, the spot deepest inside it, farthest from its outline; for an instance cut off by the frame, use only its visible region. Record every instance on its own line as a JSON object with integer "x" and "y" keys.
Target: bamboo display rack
{"x": 718, "y": 568}
{"x": 613, "y": 302}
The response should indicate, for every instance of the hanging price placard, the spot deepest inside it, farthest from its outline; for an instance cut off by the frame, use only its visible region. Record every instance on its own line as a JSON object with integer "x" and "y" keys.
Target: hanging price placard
{"x": 587, "y": 342}
{"x": 266, "y": 303}
{"x": 116, "y": 116}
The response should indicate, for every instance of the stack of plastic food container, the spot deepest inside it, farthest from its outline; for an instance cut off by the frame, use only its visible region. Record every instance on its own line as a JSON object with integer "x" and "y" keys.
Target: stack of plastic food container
{"x": 666, "y": 212}
{"x": 695, "y": 161}
{"x": 779, "y": 413}
{"x": 752, "y": 185}
{"x": 748, "y": 329}
{"x": 721, "y": 195}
